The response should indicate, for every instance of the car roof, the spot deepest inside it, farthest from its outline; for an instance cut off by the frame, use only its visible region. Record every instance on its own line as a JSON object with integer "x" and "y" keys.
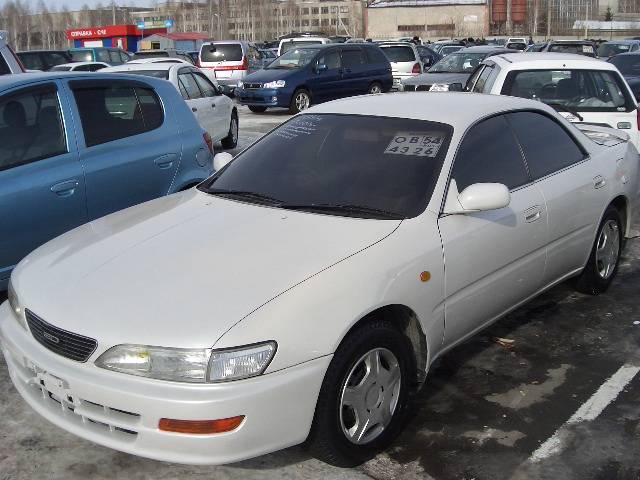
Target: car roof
{"x": 485, "y": 49}
{"x": 24, "y": 79}
{"x": 622, "y": 42}
{"x": 533, "y": 60}
{"x": 572, "y": 42}
{"x": 457, "y": 109}
{"x": 78, "y": 64}
{"x": 127, "y": 67}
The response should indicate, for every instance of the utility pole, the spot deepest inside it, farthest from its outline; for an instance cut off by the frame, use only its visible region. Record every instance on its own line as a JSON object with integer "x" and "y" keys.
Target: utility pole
{"x": 548, "y": 19}
{"x": 586, "y": 20}
{"x": 508, "y": 25}
{"x": 113, "y": 12}
{"x": 211, "y": 19}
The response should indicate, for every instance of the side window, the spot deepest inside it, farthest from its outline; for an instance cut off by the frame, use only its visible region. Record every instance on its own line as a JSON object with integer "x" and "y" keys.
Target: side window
{"x": 486, "y": 79}
{"x": 31, "y": 127}
{"x": 103, "y": 56}
{"x": 190, "y": 85}
{"x": 113, "y": 112}
{"x": 124, "y": 58}
{"x": 207, "y": 88}
{"x": 546, "y": 145}
{"x": 94, "y": 67}
{"x": 352, "y": 58}
{"x": 83, "y": 68}
{"x": 376, "y": 55}
{"x": 114, "y": 56}
{"x": 55, "y": 58}
{"x": 331, "y": 60}
{"x": 471, "y": 81}
{"x": 32, "y": 61}
{"x": 4, "y": 67}
{"x": 489, "y": 153}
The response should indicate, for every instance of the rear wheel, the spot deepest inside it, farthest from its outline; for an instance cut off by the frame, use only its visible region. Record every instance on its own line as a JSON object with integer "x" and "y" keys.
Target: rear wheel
{"x": 300, "y": 101}
{"x": 375, "y": 88}
{"x": 257, "y": 109}
{"x": 603, "y": 262}
{"x": 231, "y": 140}
{"x": 364, "y": 398}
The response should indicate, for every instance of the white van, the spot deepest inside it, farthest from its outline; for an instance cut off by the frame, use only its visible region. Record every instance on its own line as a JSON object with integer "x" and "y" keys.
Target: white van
{"x": 287, "y": 44}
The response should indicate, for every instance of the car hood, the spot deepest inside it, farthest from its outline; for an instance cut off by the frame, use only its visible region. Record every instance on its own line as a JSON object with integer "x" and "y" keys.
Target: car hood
{"x": 180, "y": 271}
{"x": 270, "y": 75}
{"x": 431, "y": 78}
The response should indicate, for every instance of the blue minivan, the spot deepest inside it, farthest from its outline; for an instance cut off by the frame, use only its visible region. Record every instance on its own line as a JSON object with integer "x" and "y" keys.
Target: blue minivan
{"x": 316, "y": 73}
{"x": 75, "y": 147}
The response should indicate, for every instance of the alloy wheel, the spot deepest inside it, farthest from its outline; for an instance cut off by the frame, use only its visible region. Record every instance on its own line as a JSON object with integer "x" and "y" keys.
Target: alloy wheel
{"x": 302, "y": 101}
{"x": 608, "y": 249}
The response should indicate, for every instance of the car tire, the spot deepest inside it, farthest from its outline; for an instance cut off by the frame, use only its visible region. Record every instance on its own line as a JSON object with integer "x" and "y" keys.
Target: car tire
{"x": 375, "y": 88}
{"x": 231, "y": 140}
{"x": 300, "y": 100}
{"x": 603, "y": 262}
{"x": 336, "y": 436}
{"x": 256, "y": 109}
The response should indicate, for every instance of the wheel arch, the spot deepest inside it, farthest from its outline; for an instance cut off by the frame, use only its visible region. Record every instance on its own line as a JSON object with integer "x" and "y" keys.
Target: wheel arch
{"x": 621, "y": 203}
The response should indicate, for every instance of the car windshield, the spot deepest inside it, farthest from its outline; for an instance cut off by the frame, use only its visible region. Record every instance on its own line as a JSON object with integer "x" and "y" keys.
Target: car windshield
{"x": 164, "y": 74}
{"x": 221, "y": 52}
{"x": 579, "y": 48}
{"x": 627, "y": 64}
{"x": 81, "y": 55}
{"x": 611, "y": 49}
{"x": 448, "y": 49}
{"x": 459, "y": 62}
{"x": 297, "y": 58}
{"x": 397, "y": 54}
{"x": 580, "y": 90}
{"x": 287, "y": 46}
{"x": 348, "y": 165}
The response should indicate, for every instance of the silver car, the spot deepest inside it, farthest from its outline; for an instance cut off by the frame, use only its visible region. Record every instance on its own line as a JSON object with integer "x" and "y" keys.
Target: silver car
{"x": 231, "y": 60}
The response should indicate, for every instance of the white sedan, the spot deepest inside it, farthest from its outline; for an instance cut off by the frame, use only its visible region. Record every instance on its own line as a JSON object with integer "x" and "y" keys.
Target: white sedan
{"x": 80, "y": 67}
{"x": 300, "y": 293}
{"x": 215, "y": 112}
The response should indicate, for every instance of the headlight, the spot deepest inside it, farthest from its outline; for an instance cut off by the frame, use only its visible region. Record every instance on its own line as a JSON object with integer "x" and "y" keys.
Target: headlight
{"x": 275, "y": 84}
{"x": 439, "y": 87}
{"x": 240, "y": 84}
{"x": 16, "y": 306}
{"x": 241, "y": 362}
{"x": 188, "y": 365}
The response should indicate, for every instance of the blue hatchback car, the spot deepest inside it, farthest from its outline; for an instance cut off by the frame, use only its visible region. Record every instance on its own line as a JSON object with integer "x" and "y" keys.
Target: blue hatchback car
{"x": 76, "y": 147}
{"x": 314, "y": 74}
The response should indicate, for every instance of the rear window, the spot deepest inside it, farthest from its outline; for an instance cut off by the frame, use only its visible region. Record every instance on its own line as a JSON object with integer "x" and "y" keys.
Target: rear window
{"x": 164, "y": 74}
{"x": 221, "y": 52}
{"x": 611, "y": 49}
{"x": 581, "y": 90}
{"x": 399, "y": 54}
{"x": 81, "y": 55}
{"x": 580, "y": 49}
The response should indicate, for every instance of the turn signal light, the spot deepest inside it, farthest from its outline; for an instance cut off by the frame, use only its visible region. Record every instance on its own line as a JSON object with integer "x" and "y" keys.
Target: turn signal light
{"x": 200, "y": 427}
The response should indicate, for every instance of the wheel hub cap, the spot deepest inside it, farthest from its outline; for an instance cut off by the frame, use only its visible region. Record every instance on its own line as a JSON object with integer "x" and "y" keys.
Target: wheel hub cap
{"x": 608, "y": 249}
{"x": 370, "y": 395}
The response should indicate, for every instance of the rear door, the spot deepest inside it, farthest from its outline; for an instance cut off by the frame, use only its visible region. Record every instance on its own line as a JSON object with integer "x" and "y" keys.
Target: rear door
{"x": 42, "y": 185}
{"x": 199, "y": 104}
{"x": 129, "y": 142}
{"x": 355, "y": 71}
{"x": 219, "y": 106}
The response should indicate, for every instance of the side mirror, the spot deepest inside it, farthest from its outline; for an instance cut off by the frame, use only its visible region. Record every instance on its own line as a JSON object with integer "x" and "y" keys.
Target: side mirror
{"x": 456, "y": 87}
{"x": 321, "y": 67}
{"x": 479, "y": 197}
{"x": 221, "y": 160}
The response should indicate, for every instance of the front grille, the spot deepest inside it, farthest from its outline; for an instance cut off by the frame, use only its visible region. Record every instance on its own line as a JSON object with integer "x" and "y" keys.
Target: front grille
{"x": 409, "y": 88}
{"x": 252, "y": 85}
{"x": 423, "y": 88}
{"x": 68, "y": 344}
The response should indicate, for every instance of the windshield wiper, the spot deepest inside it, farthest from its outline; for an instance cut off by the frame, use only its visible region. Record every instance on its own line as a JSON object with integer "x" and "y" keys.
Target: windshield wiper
{"x": 344, "y": 208}
{"x": 246, "y": 194}
{"x": 564, "y": 108}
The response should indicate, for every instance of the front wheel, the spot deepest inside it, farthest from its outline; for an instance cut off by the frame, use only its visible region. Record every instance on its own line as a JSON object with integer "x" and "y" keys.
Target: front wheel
{"x": 257, "y": 109}
{"x": 300, "y": 101}
{"x": 231, "y": 140}
{"x": 375, "y": 88}
{"x": 364, "y": 398}
{"x": 602, "y": 265}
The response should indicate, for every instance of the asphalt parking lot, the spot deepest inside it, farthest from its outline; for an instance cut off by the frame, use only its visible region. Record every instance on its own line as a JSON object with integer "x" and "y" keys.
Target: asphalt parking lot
{"x": 548, "y": 392}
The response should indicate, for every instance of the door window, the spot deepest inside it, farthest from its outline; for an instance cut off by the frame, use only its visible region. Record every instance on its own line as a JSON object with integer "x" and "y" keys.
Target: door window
{"x": 352, "y": 58}
{"x": 207, "y": 88}
{"x": 189, "y": 85}
{"x": 482, "y": 79}
{"x": 113, "y": 112}
{"x": 103, "y": 56}
{"x": 124, "y": 58}
{"x": 331, "y": 60}
{"x": 81, "y": 68}
{"x": 489, "y": 153}
{"x": 546, "y": 145}
{"x": 31, "y": 127}
{"x": 4, "y": 67}
{"x": 55, "y": 58}
{"x": 31, "y": 61}
{"x": 114, "y": 56}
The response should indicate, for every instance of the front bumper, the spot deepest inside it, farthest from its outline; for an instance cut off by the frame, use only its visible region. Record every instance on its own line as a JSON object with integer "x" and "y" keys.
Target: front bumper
{"x": 122, "y": 411}
{"x": 263, "y": 97}
{"x": 398, "y": 78}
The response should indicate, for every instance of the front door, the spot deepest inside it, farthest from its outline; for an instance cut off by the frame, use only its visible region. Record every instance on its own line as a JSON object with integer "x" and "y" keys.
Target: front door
{"x": 218, "y": 104}
{"x": 493, "y": 259}
{"x": 326, "y": 78}
{"x": 42, "y": 186}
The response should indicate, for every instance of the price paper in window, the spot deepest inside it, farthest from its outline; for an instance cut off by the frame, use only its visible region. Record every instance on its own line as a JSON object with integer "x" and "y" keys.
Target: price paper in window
{"x": 416, "y": 144}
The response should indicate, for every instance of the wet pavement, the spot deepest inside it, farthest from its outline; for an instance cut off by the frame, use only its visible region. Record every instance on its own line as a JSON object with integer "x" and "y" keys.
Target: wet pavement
{"x": 487, "y": 410}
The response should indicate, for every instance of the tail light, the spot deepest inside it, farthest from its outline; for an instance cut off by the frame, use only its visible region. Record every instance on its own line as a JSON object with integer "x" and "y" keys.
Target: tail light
{"x": 416, "y": 69}
{"x": 245, "y": 64}
{"x": 208, "y": 140}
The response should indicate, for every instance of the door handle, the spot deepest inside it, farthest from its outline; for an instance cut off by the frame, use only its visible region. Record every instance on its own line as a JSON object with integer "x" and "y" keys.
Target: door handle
{"x": 65, "y": 189}
{"x": 164, "y": 162}
{"x": 194, "y": 109}
{"x": 599, "y": 182}
{"x": 532, "y": 214}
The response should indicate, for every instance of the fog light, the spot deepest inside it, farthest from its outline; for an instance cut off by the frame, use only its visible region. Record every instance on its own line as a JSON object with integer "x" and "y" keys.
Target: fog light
{"x": 274, "y": 99}
{"x": 200, "y": 427}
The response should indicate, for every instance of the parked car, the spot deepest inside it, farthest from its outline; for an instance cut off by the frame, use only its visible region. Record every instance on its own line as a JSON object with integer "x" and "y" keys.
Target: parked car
{"x": 446, "y": 47}
{"x": 231, "y": 61}
{"x": 193, "y": 55}
{"x": 316, "y": 73}
{"x": 214, "y": 110}
{"x": 455, "y": 68}
{"x": 9, "y": 62}
{"x": 607, "y": 50}
{"x": 295, "y": 296}
{"x": 287, "y": 44}
{"x": 66, "y": 158}
{"x": 536, "y": 47}
{"x": 580, "y": 88}
{"x": 579, "y": 47}
{"x": 428, "y": 57}
{"x": 111, "y": 55}
{"x": 162, "y": 53}
{"x": 629, "y": 66}
{"x": 80, "y": 67}
{"x": 44, "y": 59}
{"x": 405, "y": 61}
{"x": 520, "y": 46}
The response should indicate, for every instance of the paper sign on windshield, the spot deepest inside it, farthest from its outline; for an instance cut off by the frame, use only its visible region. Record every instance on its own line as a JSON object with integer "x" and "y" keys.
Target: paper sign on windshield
{"x": 416, "y": 144}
